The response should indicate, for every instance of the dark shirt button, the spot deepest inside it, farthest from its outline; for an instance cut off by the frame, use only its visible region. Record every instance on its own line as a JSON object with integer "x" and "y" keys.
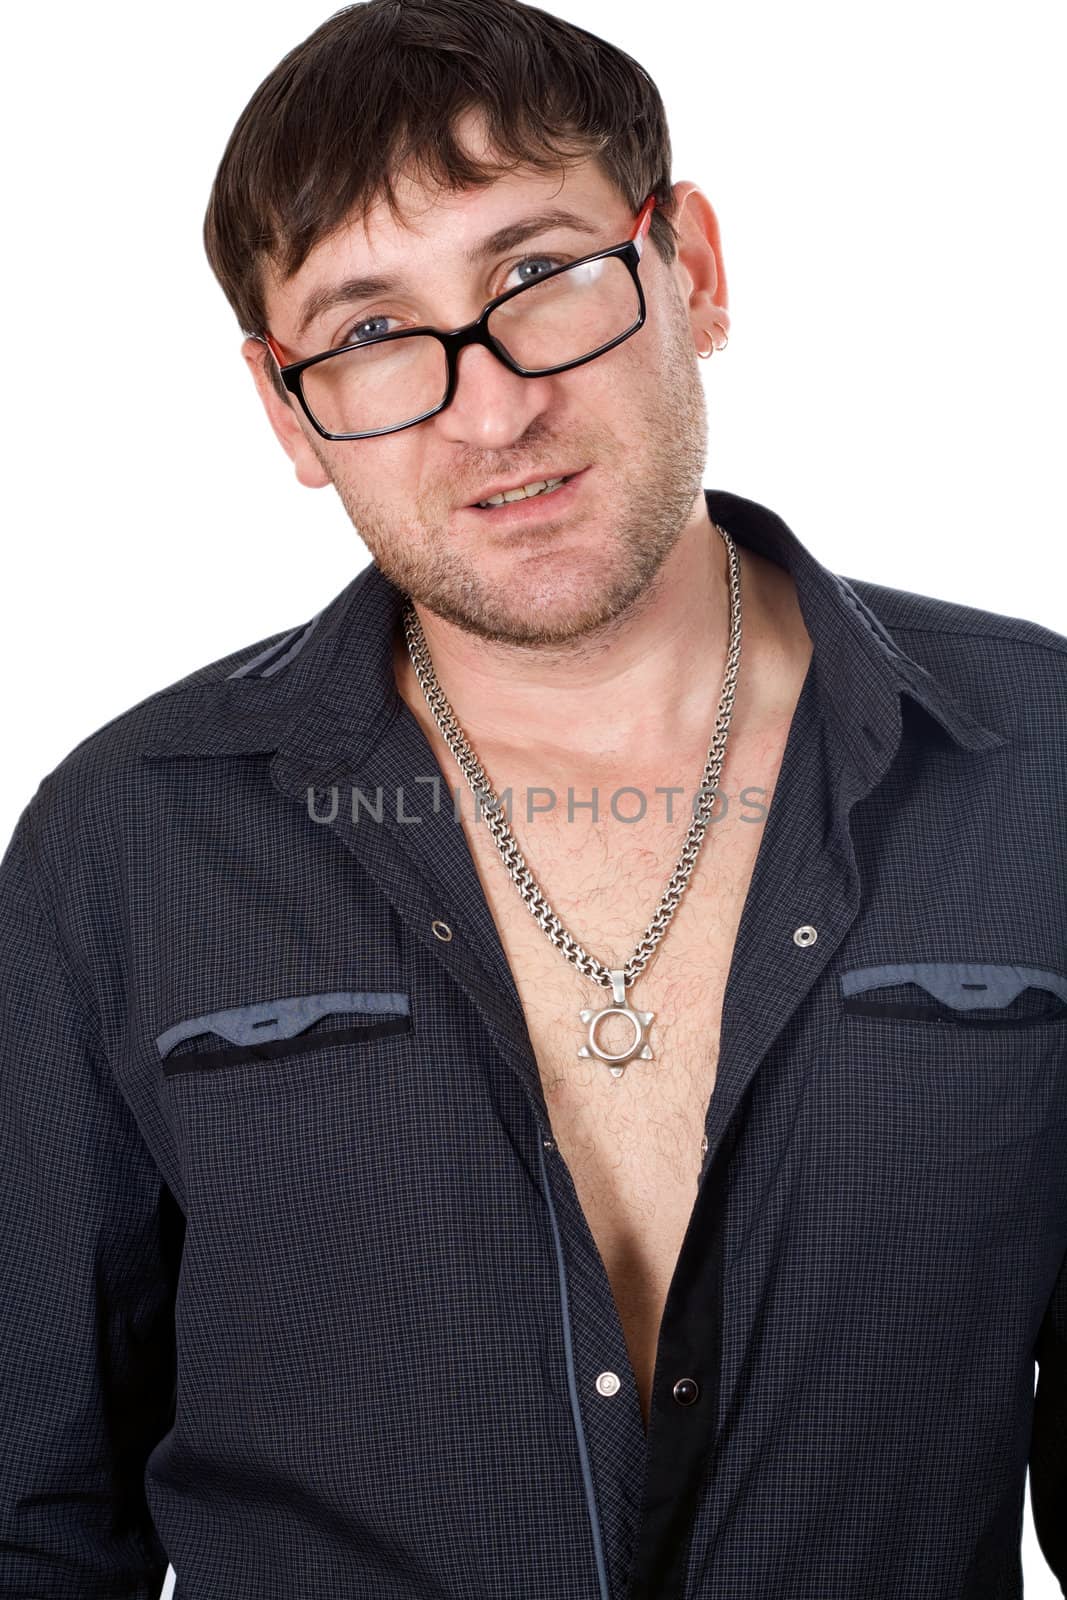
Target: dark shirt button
{"x": 686, "y": 1391}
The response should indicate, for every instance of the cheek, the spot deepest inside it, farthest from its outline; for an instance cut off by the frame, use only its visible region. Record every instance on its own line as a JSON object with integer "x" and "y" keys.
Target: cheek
{"x": 655, "y": 352}
{"x": 373, "y": 472}
{"x": 644, "y": 385}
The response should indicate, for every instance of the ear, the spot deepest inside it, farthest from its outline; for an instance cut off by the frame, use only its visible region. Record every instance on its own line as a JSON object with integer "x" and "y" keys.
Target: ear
{"x": 283, "y": 417}
{"x": 699, "y": 265}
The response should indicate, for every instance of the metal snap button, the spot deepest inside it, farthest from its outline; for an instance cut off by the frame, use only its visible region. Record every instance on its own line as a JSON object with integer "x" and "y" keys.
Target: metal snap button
{"x": 805, "y": 935}
{"x": 442, "y": 930}
{"x": 686, "y": 1391}
{"x": 608, "y": 1383}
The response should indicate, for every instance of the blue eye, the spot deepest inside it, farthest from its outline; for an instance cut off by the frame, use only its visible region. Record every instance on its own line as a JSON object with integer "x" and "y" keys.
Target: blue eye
{"x": 366, "y": 328}
{"x": 547, "y": 263}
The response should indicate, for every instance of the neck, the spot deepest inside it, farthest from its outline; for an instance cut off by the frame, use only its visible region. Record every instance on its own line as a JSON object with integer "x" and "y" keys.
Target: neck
{"x": 636, "y": 685}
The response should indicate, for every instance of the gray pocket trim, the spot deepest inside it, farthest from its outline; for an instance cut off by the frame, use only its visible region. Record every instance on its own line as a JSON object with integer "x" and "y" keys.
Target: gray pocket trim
{"x": 964, "y": 985}
{"x": 283, "y": 1018}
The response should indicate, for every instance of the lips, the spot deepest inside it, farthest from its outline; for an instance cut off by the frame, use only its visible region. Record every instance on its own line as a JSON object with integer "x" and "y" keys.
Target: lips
{"x": 534, "y": 476}
{"x": 530, "y": 512}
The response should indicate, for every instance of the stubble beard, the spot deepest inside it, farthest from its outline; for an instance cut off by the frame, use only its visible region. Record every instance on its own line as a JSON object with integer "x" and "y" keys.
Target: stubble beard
{"x": 655, "y": 491}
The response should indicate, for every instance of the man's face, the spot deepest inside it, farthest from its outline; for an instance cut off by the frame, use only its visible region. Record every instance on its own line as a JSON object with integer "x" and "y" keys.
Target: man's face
{"x": 632, "y": 422}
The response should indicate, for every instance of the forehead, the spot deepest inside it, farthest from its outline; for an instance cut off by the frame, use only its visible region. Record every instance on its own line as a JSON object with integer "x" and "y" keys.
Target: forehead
{"x": 426, "y": 209}
{"x": 431, "y": 214}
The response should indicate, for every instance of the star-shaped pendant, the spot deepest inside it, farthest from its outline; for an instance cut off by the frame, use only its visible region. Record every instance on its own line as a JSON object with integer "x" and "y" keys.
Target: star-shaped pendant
{"x": 639, "y": 1047}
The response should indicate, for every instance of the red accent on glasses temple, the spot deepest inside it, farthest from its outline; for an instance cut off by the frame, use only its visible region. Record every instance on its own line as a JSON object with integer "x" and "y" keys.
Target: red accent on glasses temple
{"x": 644, "y": 222}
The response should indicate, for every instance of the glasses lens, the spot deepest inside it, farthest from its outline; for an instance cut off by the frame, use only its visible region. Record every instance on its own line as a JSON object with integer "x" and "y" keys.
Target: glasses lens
{"x": 570, "y": 315}
{"x": 379, "y": 386}
{"x": 573, "y": 314}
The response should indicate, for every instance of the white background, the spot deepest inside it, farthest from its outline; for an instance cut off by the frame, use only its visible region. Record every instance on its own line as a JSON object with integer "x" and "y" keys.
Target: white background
{"x": 889, "y": 184}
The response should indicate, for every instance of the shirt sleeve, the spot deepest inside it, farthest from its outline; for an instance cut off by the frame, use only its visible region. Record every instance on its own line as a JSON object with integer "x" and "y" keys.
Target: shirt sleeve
{"x": 1048, "y": 1439}
{"x": 89, "y": 1242}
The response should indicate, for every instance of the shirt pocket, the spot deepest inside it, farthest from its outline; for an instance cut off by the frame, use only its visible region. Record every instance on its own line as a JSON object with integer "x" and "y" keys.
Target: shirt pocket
{"x": 933, "y": 1132}
{"x": 967, "y": 1054}
{"x": 268, "y": 1031}
{"x": 949, "y": 994}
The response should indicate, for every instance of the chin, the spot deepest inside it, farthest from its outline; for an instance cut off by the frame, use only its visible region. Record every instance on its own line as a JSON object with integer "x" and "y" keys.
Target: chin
{"x": 544, "y": 620}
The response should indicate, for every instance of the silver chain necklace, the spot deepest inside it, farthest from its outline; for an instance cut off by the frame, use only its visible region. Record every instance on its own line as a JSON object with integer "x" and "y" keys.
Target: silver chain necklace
{"x": 617, "y": 978}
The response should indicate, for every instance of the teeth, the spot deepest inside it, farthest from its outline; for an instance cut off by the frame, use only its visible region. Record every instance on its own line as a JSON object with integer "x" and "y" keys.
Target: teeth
{"x": 527, "y": 492}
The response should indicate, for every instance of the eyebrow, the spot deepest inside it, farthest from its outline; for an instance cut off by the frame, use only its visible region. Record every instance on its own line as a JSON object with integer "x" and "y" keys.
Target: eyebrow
{"x": 506, "y": 238}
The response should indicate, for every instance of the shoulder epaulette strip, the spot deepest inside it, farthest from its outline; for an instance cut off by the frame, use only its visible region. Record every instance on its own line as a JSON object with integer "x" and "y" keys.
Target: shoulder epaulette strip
{"x": 279, "y": 654}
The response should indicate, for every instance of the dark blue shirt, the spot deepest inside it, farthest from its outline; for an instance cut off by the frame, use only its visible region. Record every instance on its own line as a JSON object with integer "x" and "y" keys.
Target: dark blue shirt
{"x": 298, "y": 1293}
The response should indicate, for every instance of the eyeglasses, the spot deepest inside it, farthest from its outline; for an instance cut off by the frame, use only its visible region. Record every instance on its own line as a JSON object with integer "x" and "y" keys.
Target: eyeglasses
{"x": 559, "y": 320}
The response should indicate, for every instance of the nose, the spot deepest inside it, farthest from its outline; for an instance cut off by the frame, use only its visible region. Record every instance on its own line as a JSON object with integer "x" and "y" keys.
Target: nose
{"x": 491, "y": 407}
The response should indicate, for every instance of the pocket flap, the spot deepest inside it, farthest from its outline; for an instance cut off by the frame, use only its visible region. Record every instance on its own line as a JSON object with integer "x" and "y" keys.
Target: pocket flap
{"x": 283, "y": 1018}
{"x": 963, "y": 985}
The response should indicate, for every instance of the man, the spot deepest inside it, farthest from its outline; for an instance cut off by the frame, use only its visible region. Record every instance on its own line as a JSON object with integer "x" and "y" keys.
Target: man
{"x": 693, "y": 1235}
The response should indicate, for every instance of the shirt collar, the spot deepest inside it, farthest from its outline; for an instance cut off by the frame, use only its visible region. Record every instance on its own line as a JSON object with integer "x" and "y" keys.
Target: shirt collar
{"x": 324, "y": 693}
{"x": 862, "y": 671}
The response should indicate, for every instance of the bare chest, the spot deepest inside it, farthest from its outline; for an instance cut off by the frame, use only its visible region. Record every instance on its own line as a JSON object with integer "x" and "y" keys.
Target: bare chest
{"x": 632, "y": 1143}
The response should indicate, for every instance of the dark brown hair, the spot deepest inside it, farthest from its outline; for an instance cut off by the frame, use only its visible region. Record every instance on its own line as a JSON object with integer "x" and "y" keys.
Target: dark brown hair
{"x": 376, "y": 90}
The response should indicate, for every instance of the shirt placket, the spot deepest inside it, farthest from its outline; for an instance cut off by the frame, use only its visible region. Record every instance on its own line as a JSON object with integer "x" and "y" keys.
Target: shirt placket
{"x": 803, "y": 898}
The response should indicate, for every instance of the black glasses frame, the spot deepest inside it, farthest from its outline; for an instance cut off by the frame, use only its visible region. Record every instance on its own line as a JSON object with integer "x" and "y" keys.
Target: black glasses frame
{"x": 476, "y": 332}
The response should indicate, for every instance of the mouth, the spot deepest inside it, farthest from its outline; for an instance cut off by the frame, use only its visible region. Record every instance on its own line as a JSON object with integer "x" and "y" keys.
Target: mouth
{"x": 517, "y": 505}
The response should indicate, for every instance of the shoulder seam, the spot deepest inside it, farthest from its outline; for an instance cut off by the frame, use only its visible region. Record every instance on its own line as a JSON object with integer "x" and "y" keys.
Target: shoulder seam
{"x": 994, "y": 633}
{"x": 888, "y": 603}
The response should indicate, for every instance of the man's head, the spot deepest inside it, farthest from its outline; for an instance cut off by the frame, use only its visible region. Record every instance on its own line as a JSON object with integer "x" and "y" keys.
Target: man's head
{"x": 389, "y": 144}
